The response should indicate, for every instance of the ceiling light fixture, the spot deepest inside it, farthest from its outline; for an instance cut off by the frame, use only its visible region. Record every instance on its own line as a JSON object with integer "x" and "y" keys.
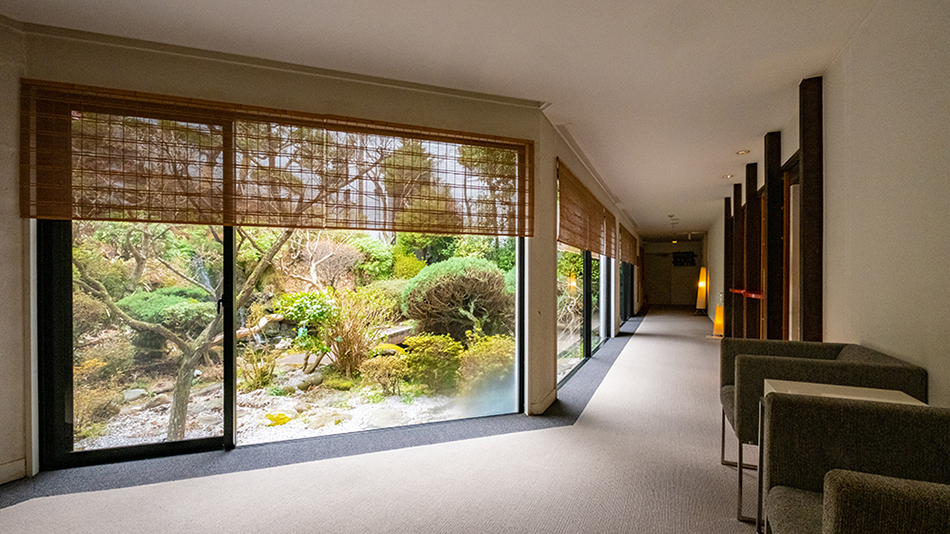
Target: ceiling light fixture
{"x": 741, "y": 152}
{"x": 728, "y": 176}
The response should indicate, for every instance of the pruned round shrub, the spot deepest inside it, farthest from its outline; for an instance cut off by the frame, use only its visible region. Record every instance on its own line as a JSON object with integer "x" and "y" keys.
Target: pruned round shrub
{"x": 149, "y": 306}
{"x": 433, "y": 360}
{"x": 189, "y": 316}
{"x": 487, "y": 363}
{"x": 458, "y": 295}
{"x": 385, "y": 371}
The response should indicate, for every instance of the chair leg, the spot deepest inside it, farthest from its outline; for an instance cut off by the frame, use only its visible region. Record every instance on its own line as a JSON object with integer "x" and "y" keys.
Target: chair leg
{"x": 739, "y": 516}
{"x": 722, "y": 447}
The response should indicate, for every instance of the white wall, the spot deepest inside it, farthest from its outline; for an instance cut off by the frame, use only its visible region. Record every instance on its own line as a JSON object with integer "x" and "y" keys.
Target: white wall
{"x": 887, "y": 188}
{"x": 14, "y": 395}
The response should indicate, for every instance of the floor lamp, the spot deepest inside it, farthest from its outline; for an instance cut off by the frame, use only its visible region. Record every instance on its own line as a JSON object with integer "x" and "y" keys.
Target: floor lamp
{"x": 701, "y": 294}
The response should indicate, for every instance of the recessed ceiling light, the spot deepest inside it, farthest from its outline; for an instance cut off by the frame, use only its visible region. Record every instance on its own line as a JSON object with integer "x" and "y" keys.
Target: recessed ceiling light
{"x": 741, "y": 152}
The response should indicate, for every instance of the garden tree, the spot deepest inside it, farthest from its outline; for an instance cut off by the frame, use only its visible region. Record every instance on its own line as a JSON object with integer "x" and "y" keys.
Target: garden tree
{"x": 192, "y": 349}
{"x": 297, "y": 168}
{"x": 493, "y": 170}
{"x": 318, "y": 260}
{"x": 417, "y": 198}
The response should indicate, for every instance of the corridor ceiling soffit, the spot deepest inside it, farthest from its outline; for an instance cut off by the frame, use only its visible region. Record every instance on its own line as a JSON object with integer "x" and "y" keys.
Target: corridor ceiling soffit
{"x": 661, "y": 94}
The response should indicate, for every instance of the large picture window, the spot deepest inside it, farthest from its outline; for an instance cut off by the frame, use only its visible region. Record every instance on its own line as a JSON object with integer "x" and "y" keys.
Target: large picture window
{"x": 586, "y": 246}
{"x": 241, "y": 275}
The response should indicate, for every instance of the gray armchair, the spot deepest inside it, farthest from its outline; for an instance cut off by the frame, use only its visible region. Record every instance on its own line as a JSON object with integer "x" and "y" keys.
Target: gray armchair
{"x": 840, "y": 466}
{"x": 746, "y": 363}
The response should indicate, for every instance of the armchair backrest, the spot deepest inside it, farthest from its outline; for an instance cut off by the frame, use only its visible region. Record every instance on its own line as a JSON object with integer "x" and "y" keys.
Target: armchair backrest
{"x": 805, "y": 437}
{"x": 732, "y": 347}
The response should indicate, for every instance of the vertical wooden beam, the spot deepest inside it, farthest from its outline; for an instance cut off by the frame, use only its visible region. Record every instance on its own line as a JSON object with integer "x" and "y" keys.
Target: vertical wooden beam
{"x": 738, "y": 261}
{"x": 727, "y": 281}
{"x": 753, "y": 250}
{"x": 811, "y": 166}
{"x": 774, "y": 231}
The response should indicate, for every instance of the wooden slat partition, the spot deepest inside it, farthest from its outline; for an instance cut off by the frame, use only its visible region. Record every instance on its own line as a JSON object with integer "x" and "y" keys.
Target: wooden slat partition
{"x": 753, "y": 252}
{"x": 774, "y": 231}
{"x": 811, "y": 165}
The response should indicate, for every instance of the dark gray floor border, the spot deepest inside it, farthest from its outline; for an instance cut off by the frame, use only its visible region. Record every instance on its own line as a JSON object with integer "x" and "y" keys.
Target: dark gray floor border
{"x": 573, "y": 397}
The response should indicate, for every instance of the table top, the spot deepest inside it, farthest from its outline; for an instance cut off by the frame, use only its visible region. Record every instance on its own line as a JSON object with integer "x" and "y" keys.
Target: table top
{"x": 834, "y": 390}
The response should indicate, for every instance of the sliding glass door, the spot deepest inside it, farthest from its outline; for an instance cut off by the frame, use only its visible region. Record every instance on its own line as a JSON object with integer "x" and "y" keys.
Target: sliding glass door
{"x": 210, "y": 275}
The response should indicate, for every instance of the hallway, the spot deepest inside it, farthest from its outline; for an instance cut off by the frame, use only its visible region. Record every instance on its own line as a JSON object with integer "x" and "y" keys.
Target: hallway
{"x": 641, "y": 458}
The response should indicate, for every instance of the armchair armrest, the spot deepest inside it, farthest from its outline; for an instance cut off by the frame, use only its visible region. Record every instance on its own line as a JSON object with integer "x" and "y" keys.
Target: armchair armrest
{"x": 752, "y": 370}
{"x": 857, "y": 503}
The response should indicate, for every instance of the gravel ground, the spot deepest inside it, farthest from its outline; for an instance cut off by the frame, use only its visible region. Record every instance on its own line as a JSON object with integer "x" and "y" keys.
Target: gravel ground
{"x": 316, "y": 412}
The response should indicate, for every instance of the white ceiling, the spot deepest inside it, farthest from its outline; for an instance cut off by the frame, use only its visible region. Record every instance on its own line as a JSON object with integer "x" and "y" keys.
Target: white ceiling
{"x": 660, "y": 94}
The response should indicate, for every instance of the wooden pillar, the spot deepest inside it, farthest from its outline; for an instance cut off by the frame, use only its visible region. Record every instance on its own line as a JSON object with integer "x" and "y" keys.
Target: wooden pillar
{"x": 738, "y": 262}
{"x": 774, "y": 231}
{"x": 753, "y": 251}
{"x": 811, "y": 166}
{"x": 727, "y": 282}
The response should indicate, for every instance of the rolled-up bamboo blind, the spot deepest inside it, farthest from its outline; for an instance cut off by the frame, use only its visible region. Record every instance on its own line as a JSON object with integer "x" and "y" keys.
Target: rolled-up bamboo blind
{"x": 90, "y": 153}
{"x": 581, "y": 216}
{"x": 628, "y": 246}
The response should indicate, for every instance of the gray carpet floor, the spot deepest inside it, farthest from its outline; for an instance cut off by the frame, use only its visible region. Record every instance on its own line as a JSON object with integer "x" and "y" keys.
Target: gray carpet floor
{"x": 643, "y": 456}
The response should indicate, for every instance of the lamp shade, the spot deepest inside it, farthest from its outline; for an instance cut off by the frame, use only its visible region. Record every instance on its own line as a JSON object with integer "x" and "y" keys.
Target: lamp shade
{"x": 717, "y": 322}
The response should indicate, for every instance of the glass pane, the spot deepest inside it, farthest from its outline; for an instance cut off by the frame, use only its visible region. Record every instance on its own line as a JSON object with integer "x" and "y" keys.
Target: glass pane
{"x": 570, "y": 309}
{"x": 347, "y": 331}
{"x": 147, "y": 358}
{"x": 595, "y": 294}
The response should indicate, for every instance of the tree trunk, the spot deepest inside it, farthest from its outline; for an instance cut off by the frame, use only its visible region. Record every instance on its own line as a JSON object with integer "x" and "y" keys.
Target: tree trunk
{"x": 179, "y": 407}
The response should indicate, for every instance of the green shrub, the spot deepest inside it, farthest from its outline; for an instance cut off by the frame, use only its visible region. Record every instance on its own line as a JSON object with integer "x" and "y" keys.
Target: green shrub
{"x": 307, "y": 309}
{"x": 256, "y": 368}
{"x": 114, "y": 274}
{"x": 356, "y": 329}
{"x": 113, "y": 357}
{"x": 406, "y": 266}
{"x": 458, "y": 295}
{"x": 511, "y": 280}
{"x": 378, "y": 259}
{"x": 385, "y": 371}
{"x": 489, "y": 360}
{"x": 434, "y": 248}
{"x": 88, "y": 314}
{"x": 339, "y": 382}
{"x": 189, "y": 316}
{"x": 433, "y": 360}
{"x": 387, "y": 294}
{"x": 149, "y": 306}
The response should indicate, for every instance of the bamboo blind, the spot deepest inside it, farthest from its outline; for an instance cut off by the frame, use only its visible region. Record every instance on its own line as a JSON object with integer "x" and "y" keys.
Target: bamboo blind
{"x": 628, "y": 246}
{"x": 90, "y": 153}
{"x": 610, "y": 223}
{"x": 580, "y": 215}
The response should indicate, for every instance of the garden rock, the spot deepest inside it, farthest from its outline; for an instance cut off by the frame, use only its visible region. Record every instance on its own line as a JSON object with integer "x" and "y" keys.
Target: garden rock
{"x": 302, "y": 406}
{"x": 328, "y": 419}
{"x": 386, "y": 417}
{"x": 209, "y": 418}
{"x": 311, "y": 380}
{"x": 133, "y": 394}
{"x": 163, "y": 387}
{"x": 158, "y": 401}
